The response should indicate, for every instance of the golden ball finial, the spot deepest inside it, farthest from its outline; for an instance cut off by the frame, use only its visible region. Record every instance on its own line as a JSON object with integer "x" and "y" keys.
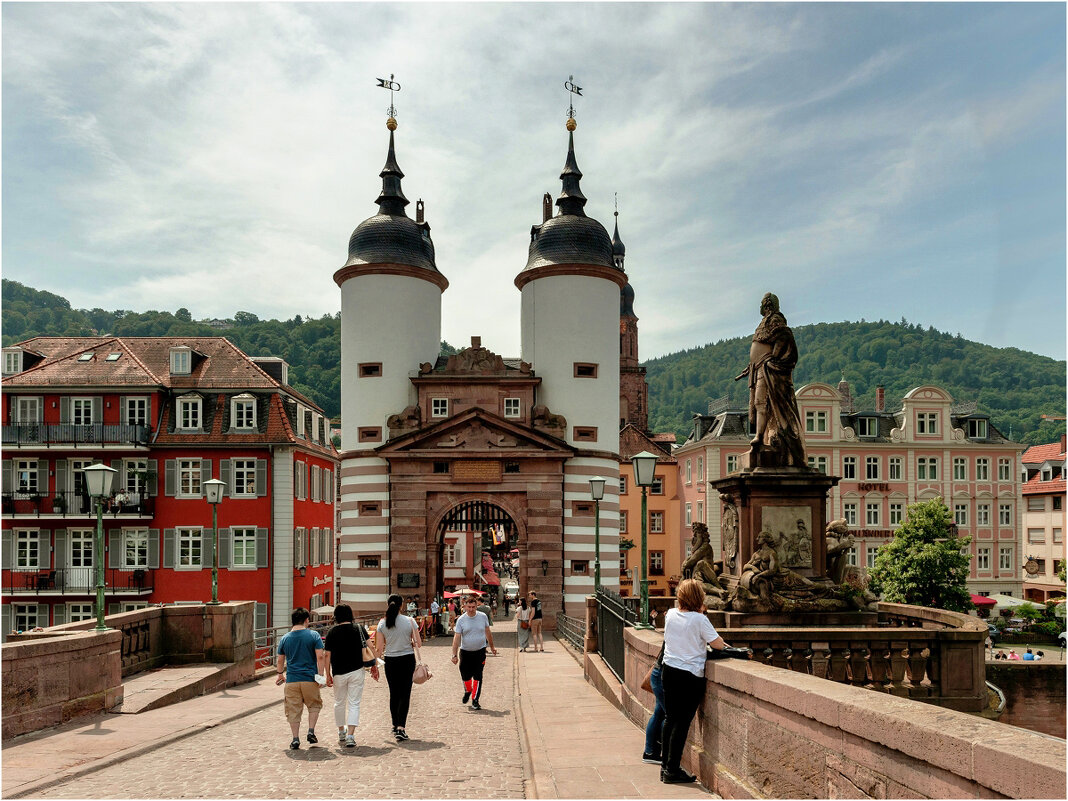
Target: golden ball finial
{"x": 571, "y": 124}
{"x": 391, "y": 124}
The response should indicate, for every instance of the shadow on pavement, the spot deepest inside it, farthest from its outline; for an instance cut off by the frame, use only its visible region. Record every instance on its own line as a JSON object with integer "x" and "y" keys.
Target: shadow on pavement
{"x": 421, "y": 745}
{"x": 311, "y": 755}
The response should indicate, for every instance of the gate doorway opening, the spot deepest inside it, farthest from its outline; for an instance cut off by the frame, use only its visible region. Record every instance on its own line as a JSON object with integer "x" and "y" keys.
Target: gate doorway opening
{"x": 479, "y": 550}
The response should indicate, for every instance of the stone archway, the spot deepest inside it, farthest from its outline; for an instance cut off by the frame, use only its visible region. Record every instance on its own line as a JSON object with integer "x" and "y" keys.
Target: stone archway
{"x": 467, "y": 524}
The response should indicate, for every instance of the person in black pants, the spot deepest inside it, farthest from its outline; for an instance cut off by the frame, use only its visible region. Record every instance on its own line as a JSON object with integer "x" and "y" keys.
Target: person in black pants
{"x": 686, "y": 633}
{"x": 469, "y": 644}
{"x": 396, "y": 637}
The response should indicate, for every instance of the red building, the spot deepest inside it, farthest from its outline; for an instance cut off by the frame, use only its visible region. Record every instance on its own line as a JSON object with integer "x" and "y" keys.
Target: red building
{"x": 167, "y": 413}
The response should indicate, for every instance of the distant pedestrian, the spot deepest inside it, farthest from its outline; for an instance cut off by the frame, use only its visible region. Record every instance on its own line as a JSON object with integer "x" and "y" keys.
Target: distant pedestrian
{"x": 535, "y": 621}
{"x": 522, "y": 617}
{"x": 1039, "y": 656}
{"x": 300, "y": 658}
{"x": 412, "y": 606}
{"x": 396, "y": 638}
{"x": 1013, "y": 654}
{"x": 1029, "y": 655}
{"x": 345, "y": 672}
{"x": 469, "y": 648}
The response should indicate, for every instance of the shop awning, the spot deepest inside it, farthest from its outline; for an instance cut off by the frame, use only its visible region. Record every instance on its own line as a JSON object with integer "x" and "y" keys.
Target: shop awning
{"x": 982, "y": 600}
{"x": 492, "y": 579}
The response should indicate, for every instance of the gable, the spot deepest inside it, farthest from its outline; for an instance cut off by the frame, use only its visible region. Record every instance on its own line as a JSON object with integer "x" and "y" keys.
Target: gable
{"x": 475, "y": 431}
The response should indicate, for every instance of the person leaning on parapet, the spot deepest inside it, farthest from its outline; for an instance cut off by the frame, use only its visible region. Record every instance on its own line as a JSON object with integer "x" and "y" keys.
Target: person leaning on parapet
{"x": 300, "y": 658}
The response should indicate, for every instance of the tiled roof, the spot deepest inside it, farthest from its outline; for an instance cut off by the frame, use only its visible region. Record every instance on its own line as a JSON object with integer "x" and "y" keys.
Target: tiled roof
{"x": 1037, "y": 454}
{"x": 633, "y": 441}
{"x": 1038, "y": 487}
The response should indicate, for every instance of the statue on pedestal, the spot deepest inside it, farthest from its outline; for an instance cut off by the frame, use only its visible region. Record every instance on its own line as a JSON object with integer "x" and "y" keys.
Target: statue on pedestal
{"x": 700, "y": 564}
{"x": 772, "y": 404}
{"x": 839, "y": 540}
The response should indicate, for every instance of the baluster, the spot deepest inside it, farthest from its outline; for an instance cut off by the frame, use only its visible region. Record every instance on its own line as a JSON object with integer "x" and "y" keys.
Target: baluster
{"x": 806, "y": 664}
{"x": 933, "y": 654}
{"x": 837, "y": 668}
{"x": 767, "y": 654}
{"x": 858, "y": 666}
{"x": 821, "y": 655}
{"x": 880, "y": 666}
{"x": 917, "y": 668}
{"x": 788, "y": 657}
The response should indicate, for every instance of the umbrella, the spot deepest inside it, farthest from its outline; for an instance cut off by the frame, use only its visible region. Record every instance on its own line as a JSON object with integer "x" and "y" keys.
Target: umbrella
{"x": 980, "y": 600}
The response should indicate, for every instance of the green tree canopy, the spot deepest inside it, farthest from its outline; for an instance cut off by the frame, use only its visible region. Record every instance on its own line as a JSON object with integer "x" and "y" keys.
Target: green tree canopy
{"x": 925, "y": 564}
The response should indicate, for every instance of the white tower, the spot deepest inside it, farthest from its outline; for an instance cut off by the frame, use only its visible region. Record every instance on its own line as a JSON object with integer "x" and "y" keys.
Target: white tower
{"x": 570, "y": 335}
{"x": 390, "y": 324}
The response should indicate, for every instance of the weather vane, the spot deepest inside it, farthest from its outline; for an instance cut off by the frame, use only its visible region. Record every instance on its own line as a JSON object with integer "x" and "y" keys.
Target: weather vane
{"x": 615, "y": 201}
{"x": 393, "y": 86}
{"x": 569, "y": 84}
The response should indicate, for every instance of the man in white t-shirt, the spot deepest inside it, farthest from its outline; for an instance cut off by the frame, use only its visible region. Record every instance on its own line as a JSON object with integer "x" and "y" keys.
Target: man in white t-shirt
{"x": 469, "y": 643}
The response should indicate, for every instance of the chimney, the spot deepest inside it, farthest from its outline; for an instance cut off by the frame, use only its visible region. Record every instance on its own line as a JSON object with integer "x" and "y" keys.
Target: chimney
{"x": 843, "y": 391}
{"x": 546, "y": 207}
{"x": 419, "y": 210}
{"x": 880, "y": 398}
{"x": 476, "y": 342}
{"x": 1063, "y": 438}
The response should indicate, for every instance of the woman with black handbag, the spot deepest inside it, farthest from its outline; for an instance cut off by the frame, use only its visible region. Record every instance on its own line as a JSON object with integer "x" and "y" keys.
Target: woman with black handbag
{"x": 396, "y": 639}
{"x": 347, "y": 655}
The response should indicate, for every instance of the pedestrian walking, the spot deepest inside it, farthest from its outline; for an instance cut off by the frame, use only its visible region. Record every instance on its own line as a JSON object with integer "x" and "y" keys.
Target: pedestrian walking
{"x": 396, "y": 639}
{"x": 687, "y": 632}
{"x": 535, "y": 621}
{"x": 469, "y": 648}
{"x": 300, "y": 658}
{"x": 522, "y": 617}
{"x": 346, "y": 672}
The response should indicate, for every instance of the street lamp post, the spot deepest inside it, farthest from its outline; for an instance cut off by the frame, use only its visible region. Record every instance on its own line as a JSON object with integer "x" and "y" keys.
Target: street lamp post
{"x": 98, "y": 478}
{"x": 644, "y": 466}
{"x": 213, "y": 491}
{"x": 597, "y": 492}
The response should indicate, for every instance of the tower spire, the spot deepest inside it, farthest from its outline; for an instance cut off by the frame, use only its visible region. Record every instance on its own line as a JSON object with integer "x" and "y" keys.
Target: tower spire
{"x": 391, "y": 199}
{"x": 619, "y": 250}
{"x": 571, "y": 199}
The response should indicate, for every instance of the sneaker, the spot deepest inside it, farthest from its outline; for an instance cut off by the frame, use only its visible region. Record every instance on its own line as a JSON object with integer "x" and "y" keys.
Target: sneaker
{"x": 466, "y": 698}
{"x": 651, "y": 759}
{"x": 341, "y": 737}
{"x": 678, "y": 776}
{"x": 311, "y": 736}
{"x": 401, "y": 735}
{"x": 350, "y": 741}
{"x": 476, "y": 705}
{"x": 294, "y": 744}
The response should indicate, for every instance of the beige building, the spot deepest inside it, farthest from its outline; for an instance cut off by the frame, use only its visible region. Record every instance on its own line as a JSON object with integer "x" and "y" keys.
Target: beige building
{"x": 929, "y": 447}
{"x": 1043, "y": 493}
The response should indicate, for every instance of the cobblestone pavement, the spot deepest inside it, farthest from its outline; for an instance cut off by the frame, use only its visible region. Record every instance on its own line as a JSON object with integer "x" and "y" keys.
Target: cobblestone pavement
{"x": 454, "y": 751}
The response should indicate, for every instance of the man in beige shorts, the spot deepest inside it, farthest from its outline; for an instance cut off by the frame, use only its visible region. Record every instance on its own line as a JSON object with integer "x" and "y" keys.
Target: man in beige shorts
{"x": 300, "y": 658}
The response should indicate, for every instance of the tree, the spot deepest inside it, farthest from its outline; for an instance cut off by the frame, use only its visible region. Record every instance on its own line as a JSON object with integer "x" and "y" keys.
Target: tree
{"x": 183, "y": 315}
{"x": 925, "y": 564}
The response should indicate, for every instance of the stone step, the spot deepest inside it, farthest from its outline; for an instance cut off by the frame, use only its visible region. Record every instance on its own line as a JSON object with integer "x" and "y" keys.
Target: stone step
{"x": 159, "y": 687}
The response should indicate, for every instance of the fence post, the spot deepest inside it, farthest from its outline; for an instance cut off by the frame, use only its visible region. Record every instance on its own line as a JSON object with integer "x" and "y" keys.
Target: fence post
{"x": 590, "y": 640}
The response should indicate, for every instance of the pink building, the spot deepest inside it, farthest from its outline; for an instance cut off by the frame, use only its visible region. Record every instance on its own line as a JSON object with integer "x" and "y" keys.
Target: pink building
{"x": 1043, "y": 520}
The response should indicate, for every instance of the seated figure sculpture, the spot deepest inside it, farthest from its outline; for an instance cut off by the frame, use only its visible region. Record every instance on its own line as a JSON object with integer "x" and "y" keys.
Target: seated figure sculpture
{"x": 700, "y": 564}
{"x": 839, "y": 541}
{"x": 759, "y": 573}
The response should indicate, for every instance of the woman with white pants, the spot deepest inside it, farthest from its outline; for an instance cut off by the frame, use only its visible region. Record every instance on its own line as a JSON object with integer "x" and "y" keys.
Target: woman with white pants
{"x": 345, "y": 672}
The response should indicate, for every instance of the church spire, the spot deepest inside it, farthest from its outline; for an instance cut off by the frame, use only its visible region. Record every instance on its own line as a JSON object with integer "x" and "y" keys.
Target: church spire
{"x": 619, "y": 250}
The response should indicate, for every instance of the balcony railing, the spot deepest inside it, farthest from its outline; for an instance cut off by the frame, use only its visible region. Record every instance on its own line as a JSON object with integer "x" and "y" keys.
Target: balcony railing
{"x": 75, "y": 434}
{"x": 77, "y": 581}
{"x": 76, "y": 504}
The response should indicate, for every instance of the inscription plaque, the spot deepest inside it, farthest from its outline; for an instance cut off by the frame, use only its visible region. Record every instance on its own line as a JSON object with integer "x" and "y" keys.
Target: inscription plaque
{"x": 407, "y": 581}
{"x": 483, "y": 471}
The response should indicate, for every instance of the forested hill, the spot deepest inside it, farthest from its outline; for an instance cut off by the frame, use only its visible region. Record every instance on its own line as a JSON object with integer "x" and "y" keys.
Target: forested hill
{"x": 1013, "y": 386}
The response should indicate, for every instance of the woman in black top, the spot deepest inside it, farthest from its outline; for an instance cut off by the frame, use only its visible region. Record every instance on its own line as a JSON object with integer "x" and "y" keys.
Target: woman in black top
{"x": 345, "y": 672}
{"x": 535, "y": 622}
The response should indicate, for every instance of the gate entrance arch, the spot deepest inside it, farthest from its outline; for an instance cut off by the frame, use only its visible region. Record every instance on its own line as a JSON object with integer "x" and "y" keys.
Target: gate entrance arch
{"x": 477, "y": 540}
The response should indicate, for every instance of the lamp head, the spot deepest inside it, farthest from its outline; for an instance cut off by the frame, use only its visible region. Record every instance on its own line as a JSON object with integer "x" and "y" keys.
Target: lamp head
{"x": 98, "y": 479}
{"x": 213, "y": 490}
{"x": 597, "y": 488}
{"x": 644, "y": 466}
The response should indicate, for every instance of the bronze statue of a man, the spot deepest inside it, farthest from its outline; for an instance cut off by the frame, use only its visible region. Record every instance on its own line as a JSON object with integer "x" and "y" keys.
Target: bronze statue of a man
{"x": 772, "y": 405}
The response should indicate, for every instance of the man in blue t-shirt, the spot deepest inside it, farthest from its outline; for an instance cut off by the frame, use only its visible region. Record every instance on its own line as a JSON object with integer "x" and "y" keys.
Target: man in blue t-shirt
{"x": 472, "y": 635}
{"x": 300, "y": 658}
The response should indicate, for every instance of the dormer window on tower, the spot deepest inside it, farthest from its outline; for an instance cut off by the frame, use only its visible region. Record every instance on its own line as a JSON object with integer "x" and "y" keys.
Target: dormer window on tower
{"x": 243, "y": 412}
{"x": 181, "y": 361}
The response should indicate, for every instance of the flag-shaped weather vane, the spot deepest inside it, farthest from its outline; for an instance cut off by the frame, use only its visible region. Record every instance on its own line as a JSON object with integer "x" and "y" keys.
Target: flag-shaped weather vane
{"x": 569, "y": 84}
{"x": 393, "y": 86}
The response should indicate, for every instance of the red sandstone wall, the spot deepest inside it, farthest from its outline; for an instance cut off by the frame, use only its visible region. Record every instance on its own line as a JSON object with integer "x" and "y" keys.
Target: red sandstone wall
{"x": 1034, "y": 694}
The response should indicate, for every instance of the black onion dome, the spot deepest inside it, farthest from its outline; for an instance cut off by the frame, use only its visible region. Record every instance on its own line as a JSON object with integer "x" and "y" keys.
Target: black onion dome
{"x": 626, "y": 301}
{"x": 391, "y": 236}
{"x": 570, "y": 237}
{"x": 618, "y": 248}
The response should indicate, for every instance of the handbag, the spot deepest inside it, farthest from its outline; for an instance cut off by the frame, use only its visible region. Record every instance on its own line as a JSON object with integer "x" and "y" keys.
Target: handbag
{"x": 422, "y": 672}
{"x": 647, "y": 682}
{"x": 524, "y": 624}
{"x": 366, "y": 654}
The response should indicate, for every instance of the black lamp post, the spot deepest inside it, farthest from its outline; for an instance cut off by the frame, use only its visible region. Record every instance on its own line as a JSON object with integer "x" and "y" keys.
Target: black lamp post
{"x": 98, "y": 479}
{"x": 213, "y": 491}
{"x": 597, "y": 492}
{"x": 644, "y": 465}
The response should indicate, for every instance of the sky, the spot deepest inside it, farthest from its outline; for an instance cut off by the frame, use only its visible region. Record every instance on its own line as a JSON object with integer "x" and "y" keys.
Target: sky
{"x": 862, "y": 161}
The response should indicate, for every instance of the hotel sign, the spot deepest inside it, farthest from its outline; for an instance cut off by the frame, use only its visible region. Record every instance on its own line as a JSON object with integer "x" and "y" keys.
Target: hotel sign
{"x": 877, "y": 487}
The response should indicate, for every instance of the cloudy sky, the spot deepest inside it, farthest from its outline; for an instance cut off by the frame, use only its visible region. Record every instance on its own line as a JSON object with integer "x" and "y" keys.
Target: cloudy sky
{"x": 862, "y": 161}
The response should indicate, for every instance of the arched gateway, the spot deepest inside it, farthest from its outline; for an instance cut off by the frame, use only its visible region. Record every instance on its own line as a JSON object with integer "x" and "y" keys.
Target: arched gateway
{"x": 487, "y": 536}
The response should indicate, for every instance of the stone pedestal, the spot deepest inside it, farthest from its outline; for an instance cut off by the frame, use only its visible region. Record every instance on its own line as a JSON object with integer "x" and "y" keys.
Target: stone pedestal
{"x": 789, "y": 501}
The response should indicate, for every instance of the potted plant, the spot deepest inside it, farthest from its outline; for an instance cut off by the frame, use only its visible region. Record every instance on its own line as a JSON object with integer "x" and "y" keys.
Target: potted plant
{"x": 59, "y": 505}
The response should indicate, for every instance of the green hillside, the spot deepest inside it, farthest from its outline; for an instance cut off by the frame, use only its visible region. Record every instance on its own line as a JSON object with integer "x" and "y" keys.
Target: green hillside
{"x": 1015, "y": 387}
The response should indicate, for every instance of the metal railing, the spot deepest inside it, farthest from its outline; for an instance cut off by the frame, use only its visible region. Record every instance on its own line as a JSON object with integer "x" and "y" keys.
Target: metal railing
{"x": 572, "y": 629}
{"x": 70, "y": 503}
{"x": 75, "y": 433}
{"x": 76, "y": 581}
{"x": 613, "y": 615}
{"x": 267, "y": 639}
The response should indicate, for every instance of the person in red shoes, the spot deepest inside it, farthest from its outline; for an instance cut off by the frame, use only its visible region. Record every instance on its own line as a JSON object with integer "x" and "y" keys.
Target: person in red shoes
{"x": 469, "y": 643}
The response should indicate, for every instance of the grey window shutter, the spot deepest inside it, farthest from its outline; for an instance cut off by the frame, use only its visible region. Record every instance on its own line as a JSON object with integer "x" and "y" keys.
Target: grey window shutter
{"x": 42, "y": 476}
{"x": 123, "y": 417}
{"x": 329, "y": 536}
{"x": 261, "y": 549}
{"x": 9, "y": 475}
{"x": 168, "y": 547}
{"x": 261, "y": 616}
{"x": 115, "y": 559}
{"x": 207, "y": 547}
{"x": 261, "y": 477}
{"x": 5, "y": 619}
{"x": 119, "y": 482}
{"x": 9, "y": 552}
{"x": 152, "y": 466}
{"x": 205, "y": 472}
{"x": 224, "y": 476}
{"x": 59, "y": 614}
{"x": 42, "y": 615}
{"x": 298, "y": 547}
{"x": 98, "y": 410}
{"x": 307, "y": 471}
{"x": 153, "y": 548}
{"x": 313, "y": 547}
{"x": 170, "y": 478}
{"x": 64, "y": 410}
{"x": 225, "y": 540}
{"x": 113, "y": 608}
{"x": 61, "y": 549}
{"x": 61, "y": 476}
